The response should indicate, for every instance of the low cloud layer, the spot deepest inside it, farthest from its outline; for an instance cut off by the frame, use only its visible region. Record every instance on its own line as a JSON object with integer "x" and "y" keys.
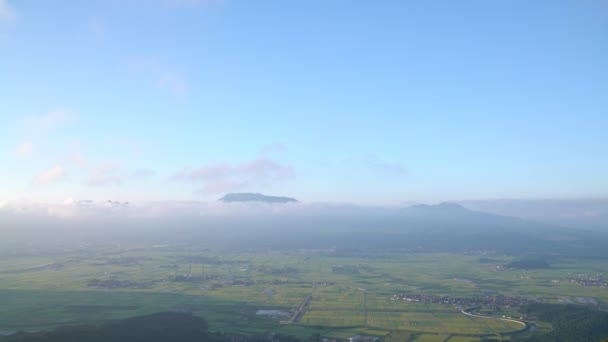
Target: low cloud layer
{"x": 89, "y": 209}
{"x": 583, "y": 214}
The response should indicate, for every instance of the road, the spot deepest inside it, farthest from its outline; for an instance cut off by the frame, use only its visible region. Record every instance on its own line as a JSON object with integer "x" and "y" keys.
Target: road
{"x": 525, "y": 326}
{"x": 301, "y": 309}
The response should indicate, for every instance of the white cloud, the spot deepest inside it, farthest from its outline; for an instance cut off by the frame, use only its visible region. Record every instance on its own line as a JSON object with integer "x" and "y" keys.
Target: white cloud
{"x": 7, "y": 13}
{"x": 54, "y": 174}
{"x": 173, "y": 82}
{"x": 25, "y": 149}
{"x": 8, "y": 16}
{"x": 105, "y": 174}
{"x": 274, "y": 147}
{"x": 385, "y": 167}
{"x": 50, "y": 120}
{"x": 165, "y": 77}
{"x": 77, "y": 158}
{"x": 226, "y": 177}
{"x": 141, "y": 174}
{"x": 372, "y": 163}
{"x": 109, "y": 173}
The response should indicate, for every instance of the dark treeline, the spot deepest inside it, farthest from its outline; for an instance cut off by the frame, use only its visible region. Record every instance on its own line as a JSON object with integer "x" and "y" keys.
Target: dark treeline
{"x": 168, "y": 326}
{"x": 570, "y": 322}
{"x": 529, "y": 264}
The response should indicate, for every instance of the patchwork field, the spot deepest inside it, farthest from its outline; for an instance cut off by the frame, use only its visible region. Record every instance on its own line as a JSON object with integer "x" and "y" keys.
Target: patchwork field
{"x": 318, "y": 292}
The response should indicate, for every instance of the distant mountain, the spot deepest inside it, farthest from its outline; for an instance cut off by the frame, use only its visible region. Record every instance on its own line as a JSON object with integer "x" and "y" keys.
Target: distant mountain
{"x": 255, "y": 197}
{"x": 454, "y": 215}
{"x": 583, "y": 213}
{"x": 444, "y": 208}
{"x": 448, "y": 210}
{"x": 450, "y": 226}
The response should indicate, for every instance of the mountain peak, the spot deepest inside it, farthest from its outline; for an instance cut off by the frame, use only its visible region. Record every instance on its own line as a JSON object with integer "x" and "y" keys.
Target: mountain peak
{"x": 450, "y": 214}
{"x": 255, "y": 197}
{"x": 450, "y": 205}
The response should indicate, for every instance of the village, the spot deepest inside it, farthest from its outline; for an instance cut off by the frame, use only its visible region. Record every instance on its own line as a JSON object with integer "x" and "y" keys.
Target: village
{"x": 495, "y": 302}
{"x": 590, "y": 280}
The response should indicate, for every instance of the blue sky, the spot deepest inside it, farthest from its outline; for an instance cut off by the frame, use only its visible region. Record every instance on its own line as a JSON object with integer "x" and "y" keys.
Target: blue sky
{"x": 371, "y": 102}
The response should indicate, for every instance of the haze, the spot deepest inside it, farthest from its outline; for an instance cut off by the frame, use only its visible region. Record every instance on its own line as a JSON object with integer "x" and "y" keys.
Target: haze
{"x": 323, "y": 170}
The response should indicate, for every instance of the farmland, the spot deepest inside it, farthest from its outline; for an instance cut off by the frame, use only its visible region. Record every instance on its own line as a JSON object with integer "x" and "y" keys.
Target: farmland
{"x": 317, "y": 291}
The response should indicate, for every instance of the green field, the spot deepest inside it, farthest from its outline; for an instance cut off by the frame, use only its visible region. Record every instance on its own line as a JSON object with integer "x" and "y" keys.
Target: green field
{"x": 349, "y": 295}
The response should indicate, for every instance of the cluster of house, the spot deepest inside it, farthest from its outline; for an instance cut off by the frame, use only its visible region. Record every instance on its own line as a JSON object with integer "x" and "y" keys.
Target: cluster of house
{"x": 226, "y": 281}
{"x": 117, "y": 284}
{"x": 484, "y": 301}
{"x": 360, "y": 338}
{"x": 590, "y": 280}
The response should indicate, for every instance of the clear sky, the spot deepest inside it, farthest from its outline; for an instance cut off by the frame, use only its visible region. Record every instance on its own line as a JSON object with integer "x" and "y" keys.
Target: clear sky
{"x": 371, "y": 102}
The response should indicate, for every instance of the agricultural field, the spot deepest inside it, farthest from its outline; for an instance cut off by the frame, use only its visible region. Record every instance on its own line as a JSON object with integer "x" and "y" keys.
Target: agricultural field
{"x": 296, "y": 293}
